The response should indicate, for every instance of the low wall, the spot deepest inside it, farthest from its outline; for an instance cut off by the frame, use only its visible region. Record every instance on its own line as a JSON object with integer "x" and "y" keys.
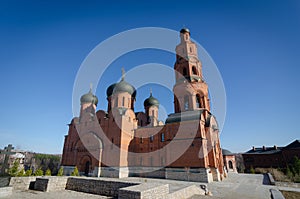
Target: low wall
{"x": 147, "y": 172}
{"x": 4, "y": 181}
{"x": 5, "y": 191}
{"x": 144, "y": 191}
{"x": 22, "y": 183}
{"x": 194, "y": 175}
{"x": 96, "y": 186}
{"x": 51, "y": 183}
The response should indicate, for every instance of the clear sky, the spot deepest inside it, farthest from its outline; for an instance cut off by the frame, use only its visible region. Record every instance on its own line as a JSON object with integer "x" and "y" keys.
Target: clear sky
{"x": 255, "y": 44}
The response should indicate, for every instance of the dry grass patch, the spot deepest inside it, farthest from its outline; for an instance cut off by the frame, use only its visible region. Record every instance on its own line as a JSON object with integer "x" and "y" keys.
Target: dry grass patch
{"x": 291, "y": 194}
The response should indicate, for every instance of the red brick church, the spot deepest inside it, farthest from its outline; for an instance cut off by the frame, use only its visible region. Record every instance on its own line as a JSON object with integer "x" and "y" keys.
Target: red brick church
{"x": 119, "y": 142}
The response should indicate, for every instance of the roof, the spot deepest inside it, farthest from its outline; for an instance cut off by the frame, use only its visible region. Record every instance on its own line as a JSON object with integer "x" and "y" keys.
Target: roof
{"x": 293, "y": 145}
{"x": 184, "y": 116}
{"x": 274, "y": 149}
{"x": 265, "y": 150}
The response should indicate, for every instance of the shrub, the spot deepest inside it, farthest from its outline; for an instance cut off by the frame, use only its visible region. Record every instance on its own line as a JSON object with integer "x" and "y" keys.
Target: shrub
{"x": 60, "y": 171}
{"x": 39, "y": 172}
{"x": 48, "y": 172}
{"x": 21, "y": 173}
{"x": 252, "y": 170}
{"x": 75, "y": 172}
{"x": 28, "y": 172}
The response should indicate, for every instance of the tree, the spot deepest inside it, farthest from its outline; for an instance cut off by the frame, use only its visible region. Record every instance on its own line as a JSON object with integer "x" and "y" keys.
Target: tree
{"x": 14, "y": 170}
{"x": 60, "y": 171}
{"x": 252, "y": 170}
{"x": 39, "y": 172}
{"x": 48, "y": 172}
{"x": 28, "y": 172}
{"x": 75, "y": 172}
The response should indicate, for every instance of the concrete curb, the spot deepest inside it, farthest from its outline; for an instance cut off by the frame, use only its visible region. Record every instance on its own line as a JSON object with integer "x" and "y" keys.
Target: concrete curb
{"x": 276, "y": 194}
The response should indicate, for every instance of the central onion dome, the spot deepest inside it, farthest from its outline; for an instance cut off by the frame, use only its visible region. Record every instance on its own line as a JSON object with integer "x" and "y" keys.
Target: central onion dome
{"x": 184, "y": 30}
{"x": 151, "y": 101}
{"x": 89, "y": 98}
{"x": 121, "y": 86}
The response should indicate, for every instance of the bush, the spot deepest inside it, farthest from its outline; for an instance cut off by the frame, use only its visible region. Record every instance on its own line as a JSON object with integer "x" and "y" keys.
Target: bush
{"x": 39, "y": 172}
{"x": 252, "y": 170}
{"x": 21, "y": 173}
{"x": 48, "y": 172}
{"x": 75, "y": 172}
{"x": 28, "y": 172}
{"x": 60, "y": 171}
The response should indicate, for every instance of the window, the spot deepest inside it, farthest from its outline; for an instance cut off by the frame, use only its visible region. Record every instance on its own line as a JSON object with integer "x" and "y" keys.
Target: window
{"x": 151, "y": 138}
{"x": 141, "y": 140}
{"x": 191, "y": 50}
{"x": 184, "y": 72}
{"x": 123, "y": 101}
{"x": 198, "y": 102}
{"x": 186, "y": 102}
{"x": 162, "y": 137}
{"x": 194, "y": 69}
{"x": 116, "y": 102}
{"x": 153, "y": 113}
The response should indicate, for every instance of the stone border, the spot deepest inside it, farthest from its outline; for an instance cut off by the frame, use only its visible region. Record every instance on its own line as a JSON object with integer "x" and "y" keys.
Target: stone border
{"x": 271, "y": 179}
{"x": 276, "y": 194}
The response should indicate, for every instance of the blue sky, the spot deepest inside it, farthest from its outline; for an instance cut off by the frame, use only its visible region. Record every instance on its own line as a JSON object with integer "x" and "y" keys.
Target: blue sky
{"x": 255, "y": 44}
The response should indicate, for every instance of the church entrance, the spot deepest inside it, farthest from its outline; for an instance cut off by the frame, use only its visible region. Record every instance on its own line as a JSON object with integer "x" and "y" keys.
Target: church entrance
{"x": 87, "y": 168}
{"x": 230, "y": 164}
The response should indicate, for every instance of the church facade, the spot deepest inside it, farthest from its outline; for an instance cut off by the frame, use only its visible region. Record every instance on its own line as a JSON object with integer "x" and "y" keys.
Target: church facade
{"x": 119, "y": 142}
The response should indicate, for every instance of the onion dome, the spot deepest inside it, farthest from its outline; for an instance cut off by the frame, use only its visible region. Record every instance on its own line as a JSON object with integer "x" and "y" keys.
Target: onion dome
{"x": 121, "y": 86}
{"x": 226, "y": 152}
{"x": 89, "y": 98}
{"x": 151, "y": 101}
{"x": 185, "y": 30}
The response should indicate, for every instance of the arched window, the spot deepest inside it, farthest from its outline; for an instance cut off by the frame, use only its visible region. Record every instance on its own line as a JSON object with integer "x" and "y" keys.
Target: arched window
{"x": 123, "y": 101}
{"x": 191, "y": 50}
{"x": 186, "y": 103}
{"x": 184, "y": 72}
{"x": 151, "y": 138}
{"x": 198, "y": 101}
{"x": 162, "y": 137}
{"x": 116, "y": 102}
{"x": 194, "y": 70}
{"x": 153, "y": 113}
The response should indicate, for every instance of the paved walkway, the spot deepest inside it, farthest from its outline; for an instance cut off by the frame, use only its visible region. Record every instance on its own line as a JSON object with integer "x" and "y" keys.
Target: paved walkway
{"x": 237, "y": 186}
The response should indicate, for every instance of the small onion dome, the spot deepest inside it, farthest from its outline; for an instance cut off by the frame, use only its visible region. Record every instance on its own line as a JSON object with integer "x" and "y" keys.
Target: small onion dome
{"x": 226, "y": 152}
{"x": 151, "y": 101}
{"x": 122, "y": 86}
{"x": 89, "y": 98}
{"x": 185, "y": 30}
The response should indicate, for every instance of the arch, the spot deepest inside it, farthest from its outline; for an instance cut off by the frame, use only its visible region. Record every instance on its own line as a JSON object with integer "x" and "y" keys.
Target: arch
{"x": 230, "y": 164}
{"x": 186, "y": 102}
{"x": 184, "y": 72}
{"x": 85, "y": 165}
{"x": 194, "y": 69}
{"x": 87, "y": 168}
{"x": 198, "y": 101}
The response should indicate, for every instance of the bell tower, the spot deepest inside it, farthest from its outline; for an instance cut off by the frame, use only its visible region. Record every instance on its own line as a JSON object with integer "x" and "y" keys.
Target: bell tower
{"x": 190, "y": 90}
